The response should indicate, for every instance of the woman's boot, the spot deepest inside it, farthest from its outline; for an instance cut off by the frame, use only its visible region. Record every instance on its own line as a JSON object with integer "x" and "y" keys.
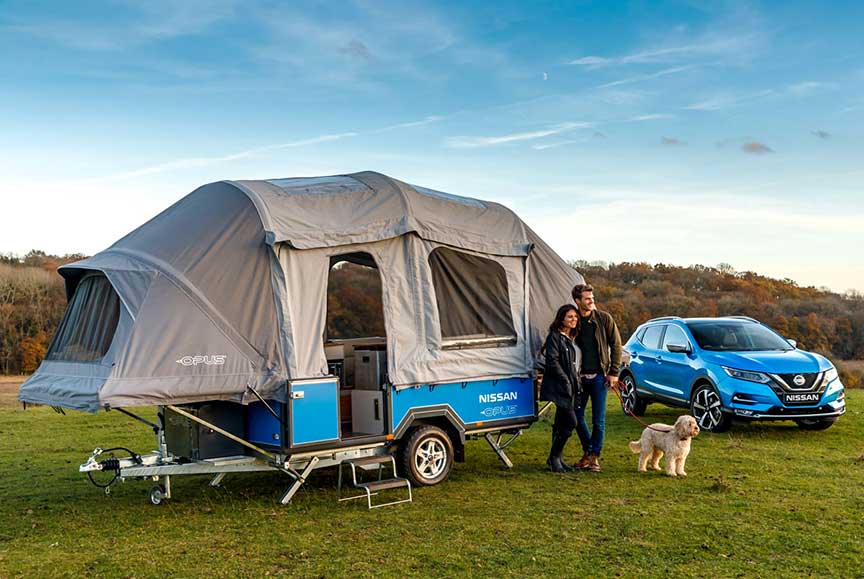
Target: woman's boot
{"x": 555, "y": 462}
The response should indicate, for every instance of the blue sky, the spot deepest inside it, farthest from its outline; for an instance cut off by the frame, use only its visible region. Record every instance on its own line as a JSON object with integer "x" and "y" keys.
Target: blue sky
{"x": 675, "y": 132}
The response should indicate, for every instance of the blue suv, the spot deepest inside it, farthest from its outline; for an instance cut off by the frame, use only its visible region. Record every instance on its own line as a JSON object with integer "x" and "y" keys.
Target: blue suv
{"x": 725, "y": 368}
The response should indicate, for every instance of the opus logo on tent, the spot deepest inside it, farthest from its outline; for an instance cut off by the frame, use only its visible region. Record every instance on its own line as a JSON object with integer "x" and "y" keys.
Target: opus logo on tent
{"x": 214, "y": 360}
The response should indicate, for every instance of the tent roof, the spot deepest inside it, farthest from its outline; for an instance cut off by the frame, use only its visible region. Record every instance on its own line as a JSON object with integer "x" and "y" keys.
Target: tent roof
{"x": 368, "y": 206}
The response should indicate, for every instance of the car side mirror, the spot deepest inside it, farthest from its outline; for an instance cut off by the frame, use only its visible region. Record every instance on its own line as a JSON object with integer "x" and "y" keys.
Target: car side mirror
{"x": 793, "y": 343}
{"x": 678, "y": 348}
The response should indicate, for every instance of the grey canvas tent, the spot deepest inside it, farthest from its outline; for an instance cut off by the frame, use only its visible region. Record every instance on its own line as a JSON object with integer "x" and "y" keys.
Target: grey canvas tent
{"x": 227, "y": 288}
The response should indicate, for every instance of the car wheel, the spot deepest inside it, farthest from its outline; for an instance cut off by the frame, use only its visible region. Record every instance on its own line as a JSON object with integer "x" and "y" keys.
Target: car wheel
{"x": 631, "y": 402}
{"x": 815, "y": 423}
{"x": 707, "y": 409}
{"x": 426, "y": 456}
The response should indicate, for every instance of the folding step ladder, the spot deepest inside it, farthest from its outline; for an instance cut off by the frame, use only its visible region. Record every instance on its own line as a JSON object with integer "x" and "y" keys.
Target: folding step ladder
{"x": 371, "y": 488}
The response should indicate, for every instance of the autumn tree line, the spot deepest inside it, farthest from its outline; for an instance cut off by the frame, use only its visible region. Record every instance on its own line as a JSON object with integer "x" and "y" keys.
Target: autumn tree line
{"x": 32, "y": 301}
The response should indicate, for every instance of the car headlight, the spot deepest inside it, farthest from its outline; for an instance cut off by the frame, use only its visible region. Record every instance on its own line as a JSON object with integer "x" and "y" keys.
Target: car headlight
{"x": 831, "y": 375}
{"x": 747, "y": 375}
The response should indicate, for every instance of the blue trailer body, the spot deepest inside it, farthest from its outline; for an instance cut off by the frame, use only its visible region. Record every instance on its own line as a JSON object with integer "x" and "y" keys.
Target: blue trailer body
{"x": 314, "y": 417}
{"x": 481, "y": 401}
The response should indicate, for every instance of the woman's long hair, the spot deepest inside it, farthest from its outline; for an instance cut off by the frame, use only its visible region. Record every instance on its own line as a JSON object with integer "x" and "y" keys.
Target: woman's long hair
{"x": 558, "y": 322}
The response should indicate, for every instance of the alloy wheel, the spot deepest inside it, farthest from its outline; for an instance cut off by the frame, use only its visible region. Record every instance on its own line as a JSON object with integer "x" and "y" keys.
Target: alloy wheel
{"x": 430, "y": 460}
{"x": 707, "y": 409}
{"x": 628, "y": 394}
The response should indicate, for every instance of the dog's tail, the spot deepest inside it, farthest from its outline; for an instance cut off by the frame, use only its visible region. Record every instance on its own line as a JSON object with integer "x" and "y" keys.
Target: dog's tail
{"x": 636, "y": 446}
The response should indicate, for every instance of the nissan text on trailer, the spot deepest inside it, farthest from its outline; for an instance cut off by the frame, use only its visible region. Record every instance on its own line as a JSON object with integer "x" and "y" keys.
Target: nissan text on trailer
{"x": 216, "y": 312}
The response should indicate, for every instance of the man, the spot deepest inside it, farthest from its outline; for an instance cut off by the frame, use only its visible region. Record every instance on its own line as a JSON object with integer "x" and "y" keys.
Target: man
{"x": 600, "y": 343}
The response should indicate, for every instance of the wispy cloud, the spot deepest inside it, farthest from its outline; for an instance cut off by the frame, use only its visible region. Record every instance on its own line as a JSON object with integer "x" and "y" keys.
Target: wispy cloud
{"x": 810, "y": 87}
{"x": 544, "y": 146}
{"x": 138, "y": 23}
{"x": 756, "y": 148}
{"x": 464, "y": 142}
{"x": 650, "y": 117}
{"x": 672, "y": 141}
{"x": 411, "y": 124}
{"x": 644, "y": 77}
{"x": 197, "y": 162}
{"x": 825, "y": 135}
{"x": 712, "y": 48}
{"x": 726, "y": 100}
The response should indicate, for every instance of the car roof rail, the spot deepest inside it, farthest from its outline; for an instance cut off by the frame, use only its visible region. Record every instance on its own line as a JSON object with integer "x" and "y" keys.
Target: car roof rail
{"x": 744, "y": 318}
{"x": 665, "y": 318}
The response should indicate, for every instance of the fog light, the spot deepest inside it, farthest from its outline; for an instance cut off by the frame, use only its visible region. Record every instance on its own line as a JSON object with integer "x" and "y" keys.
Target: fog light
{"x": 743, "y": 399}
{"x": 841, "y": 396}
{"x": 740, "y": 412}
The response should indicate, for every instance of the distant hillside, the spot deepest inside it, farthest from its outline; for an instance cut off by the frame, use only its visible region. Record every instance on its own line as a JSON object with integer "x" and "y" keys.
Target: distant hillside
{"x": 32, "y": 301}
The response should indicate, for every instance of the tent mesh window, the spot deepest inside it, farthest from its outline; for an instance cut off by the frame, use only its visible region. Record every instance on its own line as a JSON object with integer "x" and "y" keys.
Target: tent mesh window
{"x": 473, "y": 300}
{"x": 88, "y": 326}
{"x": 354, "y": 305}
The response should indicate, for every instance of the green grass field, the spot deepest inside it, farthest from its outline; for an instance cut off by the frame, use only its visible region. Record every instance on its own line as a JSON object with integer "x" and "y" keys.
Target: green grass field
{"x": 765, "y": 500}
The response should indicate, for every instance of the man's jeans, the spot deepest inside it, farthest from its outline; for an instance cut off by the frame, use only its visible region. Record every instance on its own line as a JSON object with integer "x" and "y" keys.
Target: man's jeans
{"x": 595, "y": 389}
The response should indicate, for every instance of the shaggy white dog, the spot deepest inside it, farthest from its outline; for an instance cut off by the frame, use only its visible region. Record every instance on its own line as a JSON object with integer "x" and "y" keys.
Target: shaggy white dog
{"x": 674, "y": 441}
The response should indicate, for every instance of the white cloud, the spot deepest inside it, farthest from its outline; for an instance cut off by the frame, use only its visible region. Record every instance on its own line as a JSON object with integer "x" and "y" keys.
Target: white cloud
{"x": 710, "y": 48}
{"x": 810, "y": 87}
{"x": 644, "y": 77}
{"x": 725, "y": 100}
{"x": 650, "y": 117}
{"x": 197, "y": 162}
{"x": 144, "y": 22}
{"x": 464, "y": 142}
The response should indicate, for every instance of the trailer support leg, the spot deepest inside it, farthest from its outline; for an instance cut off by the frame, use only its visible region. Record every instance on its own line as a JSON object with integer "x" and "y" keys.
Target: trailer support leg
{"x": 167, "y": 486}
{"x": 498, "y": 447}
{"x": 299, "y": 479}
{"x": 217, "y": 480}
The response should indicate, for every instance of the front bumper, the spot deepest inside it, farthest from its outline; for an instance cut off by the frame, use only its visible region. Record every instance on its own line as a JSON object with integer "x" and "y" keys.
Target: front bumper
{"x": 754, "y": 401}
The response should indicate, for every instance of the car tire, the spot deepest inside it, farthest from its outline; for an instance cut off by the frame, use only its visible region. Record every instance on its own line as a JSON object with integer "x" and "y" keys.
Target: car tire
{"x": 706, "y": 408}
{"x": 815, "y": 423}
{"x": 426, "y": 456}
{"x": 631, "y": 402}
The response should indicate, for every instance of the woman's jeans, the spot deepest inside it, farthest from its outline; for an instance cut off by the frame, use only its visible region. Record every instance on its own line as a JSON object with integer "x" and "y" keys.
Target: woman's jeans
{"x": 595, "y": 389}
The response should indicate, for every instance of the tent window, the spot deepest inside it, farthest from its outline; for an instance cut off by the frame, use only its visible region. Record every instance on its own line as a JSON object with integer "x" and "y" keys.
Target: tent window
{"x": 473, "y": 300}
{"x": 88, "y": 326}
{"x": 354, "y": 306}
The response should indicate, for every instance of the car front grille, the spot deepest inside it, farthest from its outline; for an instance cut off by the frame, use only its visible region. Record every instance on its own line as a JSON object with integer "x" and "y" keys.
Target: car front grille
{"x": 812, "y": 380}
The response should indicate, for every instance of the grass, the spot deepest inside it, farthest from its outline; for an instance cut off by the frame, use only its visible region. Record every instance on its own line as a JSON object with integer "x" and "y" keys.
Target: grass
{"x": 763, "y": 500}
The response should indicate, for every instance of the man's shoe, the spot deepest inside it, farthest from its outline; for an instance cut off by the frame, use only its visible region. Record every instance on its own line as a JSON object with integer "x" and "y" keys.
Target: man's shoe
{"x": 594, "y": 463}
{"x": 582, "y": 463}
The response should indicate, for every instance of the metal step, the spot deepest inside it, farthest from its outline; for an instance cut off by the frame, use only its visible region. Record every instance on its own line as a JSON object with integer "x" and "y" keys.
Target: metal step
{"x": 371, "y": 488}
{"x": 380, "y": 485}
{"x": 370, "y": 460}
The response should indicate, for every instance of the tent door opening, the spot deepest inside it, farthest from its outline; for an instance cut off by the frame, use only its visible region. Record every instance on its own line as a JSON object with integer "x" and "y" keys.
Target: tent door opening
{"x": 356, "y": 344}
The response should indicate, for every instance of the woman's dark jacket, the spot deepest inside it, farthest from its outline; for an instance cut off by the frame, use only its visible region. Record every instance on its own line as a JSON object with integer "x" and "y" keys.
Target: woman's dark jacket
{"x": 560, "y": 378}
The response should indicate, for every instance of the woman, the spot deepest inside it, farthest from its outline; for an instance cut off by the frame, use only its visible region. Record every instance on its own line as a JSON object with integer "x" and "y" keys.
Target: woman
{"x": 561, "y": 381}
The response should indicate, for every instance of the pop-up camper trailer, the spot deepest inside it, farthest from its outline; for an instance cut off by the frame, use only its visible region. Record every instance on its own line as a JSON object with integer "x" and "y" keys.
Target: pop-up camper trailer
{"x": 216, "y": 311}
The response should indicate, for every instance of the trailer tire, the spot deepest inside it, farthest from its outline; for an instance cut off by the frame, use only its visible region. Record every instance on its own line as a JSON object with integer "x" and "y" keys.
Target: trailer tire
{"x": 426, "y": 456}
{"x": 157, "y": 495}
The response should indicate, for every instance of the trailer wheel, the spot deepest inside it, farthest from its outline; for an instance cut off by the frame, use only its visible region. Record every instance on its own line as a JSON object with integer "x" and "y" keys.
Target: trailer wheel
{"x": 426, "y": 456}
{"x": 157, "y": 495}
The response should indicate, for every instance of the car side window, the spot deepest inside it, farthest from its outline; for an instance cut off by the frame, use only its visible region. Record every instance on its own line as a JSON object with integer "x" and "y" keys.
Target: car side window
{"x": 675, "y": 335}
{"x": 651, "y": 337}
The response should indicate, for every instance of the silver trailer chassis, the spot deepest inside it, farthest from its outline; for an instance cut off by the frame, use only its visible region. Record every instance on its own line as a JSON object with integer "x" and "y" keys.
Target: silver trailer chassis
{"x": 159, "y": 466}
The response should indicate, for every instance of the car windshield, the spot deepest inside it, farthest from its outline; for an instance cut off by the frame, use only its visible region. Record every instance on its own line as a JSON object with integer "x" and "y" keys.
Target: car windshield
{"x": 736, "y": 336}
